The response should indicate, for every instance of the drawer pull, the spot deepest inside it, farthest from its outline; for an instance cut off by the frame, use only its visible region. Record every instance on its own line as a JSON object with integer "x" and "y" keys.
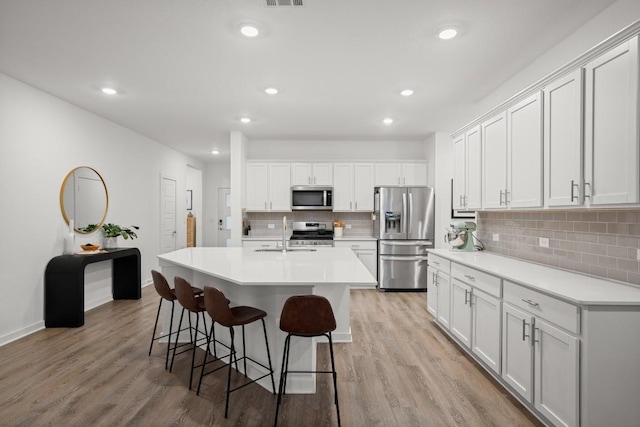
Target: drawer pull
{"x": 534, "y": 335}
{"x": 473, "y": 279}
{"x": 466, "y": 292}
{"x": 435, "y": 262}
{"x": 531, "y": 303}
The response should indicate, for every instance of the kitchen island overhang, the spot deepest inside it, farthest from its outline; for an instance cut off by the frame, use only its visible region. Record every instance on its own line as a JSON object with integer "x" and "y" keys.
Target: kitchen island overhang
{"x": 265, "y": 280}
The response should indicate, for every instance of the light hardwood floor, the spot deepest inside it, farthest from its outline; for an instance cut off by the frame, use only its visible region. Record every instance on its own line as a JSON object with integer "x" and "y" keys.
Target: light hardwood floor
{"x": 400, "y": 370}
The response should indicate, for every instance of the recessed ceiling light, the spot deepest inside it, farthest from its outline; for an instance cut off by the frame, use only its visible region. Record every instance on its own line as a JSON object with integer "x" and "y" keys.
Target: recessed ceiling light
{"x": 387, "y": 121}
{"x": 249, "y": 30}
{"x": 215, "y": 152}
{"x": 406, "y": 92}
{"x": 245, "y": 120}
{"x": 447, "y": 33}
{"x": 271, "y": 90}
{"x": 108, "y": 91}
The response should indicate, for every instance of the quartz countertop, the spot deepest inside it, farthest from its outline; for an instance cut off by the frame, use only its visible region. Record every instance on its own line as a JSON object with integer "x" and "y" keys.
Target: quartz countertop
{"x": 572, "y": 287}
{"x": 246, "y": 266}
{"x": 355, "y": 238}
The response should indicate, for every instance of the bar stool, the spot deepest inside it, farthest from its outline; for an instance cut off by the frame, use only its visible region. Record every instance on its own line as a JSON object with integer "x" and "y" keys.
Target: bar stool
{"x": 193, "y": 304}
{"x": 306, "y": 316}
{"x": 218, "y": 308}
{"x": 168, "y": 294}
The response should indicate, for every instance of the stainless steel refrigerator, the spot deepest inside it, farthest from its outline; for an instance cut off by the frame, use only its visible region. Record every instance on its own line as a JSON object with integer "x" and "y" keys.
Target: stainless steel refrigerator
{"x": 404, "y": 226}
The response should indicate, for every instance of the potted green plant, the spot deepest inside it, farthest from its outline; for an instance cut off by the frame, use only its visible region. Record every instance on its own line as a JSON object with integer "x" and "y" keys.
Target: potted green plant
{"x": 111, "y": 232}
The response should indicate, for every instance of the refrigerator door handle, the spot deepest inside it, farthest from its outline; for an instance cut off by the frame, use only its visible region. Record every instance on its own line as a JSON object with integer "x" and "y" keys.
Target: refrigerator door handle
{"x": 406, "y": 243}
{"x": 408, "y": 212}
{"x": 404, "y": 217}
{"x": 402, "y": 258}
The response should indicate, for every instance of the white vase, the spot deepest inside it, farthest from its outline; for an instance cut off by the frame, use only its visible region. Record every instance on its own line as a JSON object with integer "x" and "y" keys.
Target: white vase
{"x": 69, "y": 244}
{"x": 110, "y": 242}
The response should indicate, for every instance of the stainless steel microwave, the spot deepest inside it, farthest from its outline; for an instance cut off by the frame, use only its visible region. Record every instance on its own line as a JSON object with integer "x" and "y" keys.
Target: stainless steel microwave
{"x": 311, "y": 198}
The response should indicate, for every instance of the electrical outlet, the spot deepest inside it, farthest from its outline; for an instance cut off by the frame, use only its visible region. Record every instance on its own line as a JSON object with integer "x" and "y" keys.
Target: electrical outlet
{"x": 496, "y": 237}
{"x": 271, "y": 226}
{"x": 544, "y": 242}
{"x": 347, "y": 226}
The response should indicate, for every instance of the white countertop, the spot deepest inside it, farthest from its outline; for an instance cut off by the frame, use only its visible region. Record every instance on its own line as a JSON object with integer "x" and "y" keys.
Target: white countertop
{"x": 335, "y": 238}
{"x": 572, "y": 287}
{"x": 245, "y": 266}
{"x": 356, "y": 238}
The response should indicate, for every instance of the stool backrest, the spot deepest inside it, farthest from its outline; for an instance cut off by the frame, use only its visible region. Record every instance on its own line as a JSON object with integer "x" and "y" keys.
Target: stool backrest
{"x": 307, "y": 315}
{"x": 217, "y": 306}
{"x": 162, "y": 286}
{"x": 185, "y": 294}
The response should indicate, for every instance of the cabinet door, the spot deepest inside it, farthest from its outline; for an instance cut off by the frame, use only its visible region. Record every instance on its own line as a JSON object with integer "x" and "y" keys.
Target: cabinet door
{"x": 459, "y": 172}
{"x": 388, "y": 174}
{"x": 524, "y": 166}
{"x": 486, "y": 329}
{"x": 301, "y": 174}
{"x": 444, "y": 299}
{"x": 432, "y": 292}
{"x": 363, "y": 187}
{"x": 563, "y": 141}
{"x": 556, "y": 374}
{"x": 279, "y": 187}
{"x": 369, "y": 259}
{"x": 414, "y": 174}
{"x": 257, "y": 186}
{"x": 474, "y": 168}
{"x": 461, "y": 312}
{"x": 517, "y": 351}
{"x": 322, "y": 174}
{"x": 343, "y": 187}
{"x": 494, "y": 162}
{"x": 611, "y": 126}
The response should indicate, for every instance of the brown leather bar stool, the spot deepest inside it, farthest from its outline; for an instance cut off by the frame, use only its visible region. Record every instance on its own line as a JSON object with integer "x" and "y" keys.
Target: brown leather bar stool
{"x": 193, "y": 304}
{"x": 218, "y": 308}
{"x": 168, "y": 294}
{"x": 306, "y": 316}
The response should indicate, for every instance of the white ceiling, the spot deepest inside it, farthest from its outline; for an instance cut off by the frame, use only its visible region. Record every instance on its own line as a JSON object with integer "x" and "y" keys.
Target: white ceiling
{"x": 188, "y": 76}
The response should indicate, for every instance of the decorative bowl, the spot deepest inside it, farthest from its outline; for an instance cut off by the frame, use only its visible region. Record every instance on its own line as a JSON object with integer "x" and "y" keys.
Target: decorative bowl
{"x": 90, "y": 247}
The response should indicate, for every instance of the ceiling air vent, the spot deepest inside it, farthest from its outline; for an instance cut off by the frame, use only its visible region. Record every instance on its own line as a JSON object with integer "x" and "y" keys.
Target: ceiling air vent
{"x": 284, "y": 2}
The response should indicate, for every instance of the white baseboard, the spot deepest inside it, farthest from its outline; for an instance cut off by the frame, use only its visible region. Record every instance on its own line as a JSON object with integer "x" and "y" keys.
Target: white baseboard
{"x": 20, "y": 333}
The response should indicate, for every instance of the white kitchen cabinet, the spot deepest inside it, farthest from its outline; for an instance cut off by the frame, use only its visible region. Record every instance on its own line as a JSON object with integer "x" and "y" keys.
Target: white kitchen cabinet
{"x": 353, "y": 187}
{"x": 494, "y": 161}
{"x": 400, "y": 174}
{"x": 611, "y": 126}
{"x": 467, "y": 170}
{"x": 263, "y": 244}
{"x": 461, "y": 312}
{"x": 485, "y": 328}
{"x": 365, "y": 250}
{"x": 439, "y": 289}
{"x": 312, "y": 174}
{"x": 268, "y": 187}
{"x": 563, "y": 147}
{"x": 517, "y": 351}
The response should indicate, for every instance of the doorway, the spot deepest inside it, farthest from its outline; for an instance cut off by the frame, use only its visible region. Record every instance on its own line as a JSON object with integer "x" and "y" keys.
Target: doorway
{"x": 224, "y": 217}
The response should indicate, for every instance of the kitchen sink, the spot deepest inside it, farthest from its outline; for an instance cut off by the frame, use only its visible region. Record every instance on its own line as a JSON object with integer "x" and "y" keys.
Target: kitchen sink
{"x": 288, "y": 250}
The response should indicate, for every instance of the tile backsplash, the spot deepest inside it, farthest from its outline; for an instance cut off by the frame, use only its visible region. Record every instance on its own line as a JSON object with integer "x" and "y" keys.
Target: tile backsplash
{"x": 360, "y": 222}
{"x": 602, "y": 243}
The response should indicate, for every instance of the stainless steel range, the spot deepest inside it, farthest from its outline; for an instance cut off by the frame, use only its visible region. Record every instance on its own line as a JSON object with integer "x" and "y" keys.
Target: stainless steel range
{"x": 311, "y": 234}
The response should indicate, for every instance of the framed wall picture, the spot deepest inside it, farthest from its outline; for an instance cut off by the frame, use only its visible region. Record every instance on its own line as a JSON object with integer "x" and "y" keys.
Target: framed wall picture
{"x": 189, "y": 200}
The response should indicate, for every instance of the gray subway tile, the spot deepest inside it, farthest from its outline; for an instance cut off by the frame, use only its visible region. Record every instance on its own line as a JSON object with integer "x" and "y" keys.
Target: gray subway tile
{"x": 607, "y": 216}
{"x": 598, "y": 227}
{"x": 628, "y": 265}
{"x": 630, "y": 217}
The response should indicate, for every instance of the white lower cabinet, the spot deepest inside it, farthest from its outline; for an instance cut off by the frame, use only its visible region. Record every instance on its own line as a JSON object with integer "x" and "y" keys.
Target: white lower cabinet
{"x": 365, "y": 250}
{"x": 267, "y": 243}
{"x": 485, "y": 328}
{"x": 439, "y": 290}
{"x": 517, "y": 351}
{"x": 461, "y": 312}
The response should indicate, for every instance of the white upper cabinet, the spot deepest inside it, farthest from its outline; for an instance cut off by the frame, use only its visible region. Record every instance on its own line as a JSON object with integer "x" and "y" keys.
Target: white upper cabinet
{"x": 343, "y": 187}
{"x": 494, "y": 162}
{"x": 353, "y": 187}
{"x": 257, "y": 187}
{"x": 312, "y": 174}
{"x": 563, "y": 154}
{"x": 467, "y": 176}
{"x": 401, "y": 174}
{"x": 363, "y": 187}
{"x": 459, "y": 172}
{"x": 611, "y": 126}
{"x": 268, "y": 187}
{"x": 524, "y": 165}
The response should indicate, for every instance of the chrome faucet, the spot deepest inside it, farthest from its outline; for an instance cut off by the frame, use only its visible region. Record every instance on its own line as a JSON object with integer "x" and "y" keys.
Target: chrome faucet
{"x": 284, "y": 233}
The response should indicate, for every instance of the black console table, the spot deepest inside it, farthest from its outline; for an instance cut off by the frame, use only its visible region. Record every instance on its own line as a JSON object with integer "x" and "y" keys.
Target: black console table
{"x": 64, "y": 284}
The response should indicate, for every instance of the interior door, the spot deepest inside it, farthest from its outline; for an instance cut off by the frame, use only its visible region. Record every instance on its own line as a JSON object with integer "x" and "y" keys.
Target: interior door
{"x": 224, "y": 217}
{"x": 167, "y": 214}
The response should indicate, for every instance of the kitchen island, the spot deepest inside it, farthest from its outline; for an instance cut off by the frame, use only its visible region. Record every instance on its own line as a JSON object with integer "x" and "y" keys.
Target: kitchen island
{"x": 265, "y": 280}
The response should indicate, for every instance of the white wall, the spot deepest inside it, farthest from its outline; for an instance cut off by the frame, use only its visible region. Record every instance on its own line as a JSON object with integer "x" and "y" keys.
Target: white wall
{"x": 443, "y": 169}
{"x": 216, "y": 175}
{"x": 194, "y": 183}
{"x": 41, "y": 139}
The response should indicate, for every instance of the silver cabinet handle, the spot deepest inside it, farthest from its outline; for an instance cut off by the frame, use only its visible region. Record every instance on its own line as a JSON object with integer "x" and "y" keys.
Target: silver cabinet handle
{"x": 355, "y": 246}
{"x": 588, "y": 196}
{"x": 350, "y": 205}
{"x": 473, "y": 279}
{"x": 435, "y": 262}
{"x": 501, "y": 193}
{"x": 356, "y": 205}
{"x": 466, "y": 292}
{"x": 461, "y": 203}
{"x": 524, "y": 324}
{"x": 265, "y": 206}
{"x": 573, "y": 185}
{"x": 531, "y": 303}
{"x": 506, "y": 197}
{"x": 534, "y": 336}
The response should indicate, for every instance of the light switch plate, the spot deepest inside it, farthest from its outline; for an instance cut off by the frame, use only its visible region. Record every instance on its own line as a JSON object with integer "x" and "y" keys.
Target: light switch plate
{"x": 347, "y": 226}
{"x": 544, "y": 242}
{"x": 496, "y": 237}
{"x": 271, "y": 226}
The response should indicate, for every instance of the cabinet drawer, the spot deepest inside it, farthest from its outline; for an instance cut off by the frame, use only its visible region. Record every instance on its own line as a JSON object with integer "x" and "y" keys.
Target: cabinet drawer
{"x": 439, "y": 263}
{"x": 483, "y": 281}
{"x": 546, "y": 307}
{"x": 262, "y": 243}
{"x": 356, "y": 244}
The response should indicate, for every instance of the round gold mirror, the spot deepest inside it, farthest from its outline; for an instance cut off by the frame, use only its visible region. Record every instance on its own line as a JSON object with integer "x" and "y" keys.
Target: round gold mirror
{"x": 84, "y": 199}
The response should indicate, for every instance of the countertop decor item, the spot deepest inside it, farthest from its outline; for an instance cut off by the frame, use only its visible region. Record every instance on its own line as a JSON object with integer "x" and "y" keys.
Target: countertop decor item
{"x": 69, "y": 240}
{"x": 112, "y": 231}
{"x": 90, "y": 247}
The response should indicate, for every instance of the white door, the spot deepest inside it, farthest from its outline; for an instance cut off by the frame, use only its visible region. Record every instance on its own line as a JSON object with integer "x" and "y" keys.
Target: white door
{"x": 301, "y": 174}
{"x": 459, "y": 172}
{"x": 444, "y": 299}
{"x": 224, "y": 217}
{"x": 563, "y": 140}
{"x": 167, "y": 214}
{"x": 414, "y": 174}
{"x": 461, "y": 311}
{"x": 474, "y": 169}
{"x": 362, "y": 187}
{"x": 432, "y": 292}
{"x": 343, "y": 187}
{"x": 322, "y": 174}
{"x": 611, "y": 126}
{"x": 388, "y": 174}
{"x": 517, "y": 351}
{"x": 279, "y": 187}
{"x": 257, "y": 186}
{"x": 556, "y": 374}
{"x": 524, "y": 166}
{"x": 486, "y": 329}
{"x": 494, "y": 161}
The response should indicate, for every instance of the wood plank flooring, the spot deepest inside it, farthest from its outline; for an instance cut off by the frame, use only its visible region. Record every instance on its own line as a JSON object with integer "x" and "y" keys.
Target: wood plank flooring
{"x": 400, "y": 370}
